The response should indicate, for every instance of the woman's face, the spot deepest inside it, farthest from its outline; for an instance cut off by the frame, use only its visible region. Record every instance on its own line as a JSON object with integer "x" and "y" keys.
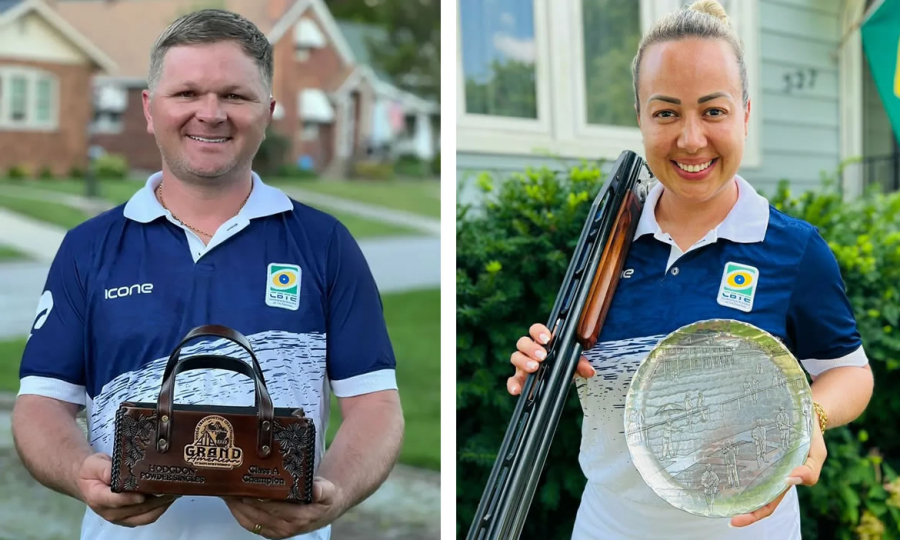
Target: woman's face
{"x": 691, "y": 116}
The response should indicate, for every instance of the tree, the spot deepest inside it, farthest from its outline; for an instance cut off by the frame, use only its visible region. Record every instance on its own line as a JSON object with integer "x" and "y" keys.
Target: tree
{"x": 509, "y": 91}
{"x": 412, "y": 54}
{"x": 611, "y": 37}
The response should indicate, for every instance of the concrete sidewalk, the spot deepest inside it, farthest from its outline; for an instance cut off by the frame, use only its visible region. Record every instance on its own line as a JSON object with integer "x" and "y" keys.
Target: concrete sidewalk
{"x": 37, "y": 239}
{"x": 370, "y": 211}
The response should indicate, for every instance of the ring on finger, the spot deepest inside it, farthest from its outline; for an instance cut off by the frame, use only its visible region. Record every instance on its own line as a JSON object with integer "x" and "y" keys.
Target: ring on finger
{"x": 257, "y": 529}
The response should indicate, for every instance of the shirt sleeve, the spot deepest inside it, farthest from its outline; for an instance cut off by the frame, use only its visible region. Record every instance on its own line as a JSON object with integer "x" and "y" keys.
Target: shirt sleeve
{"x": 360, "y": 356}
{"x": 820, "y": 320}
{"x": 53, "y": 364}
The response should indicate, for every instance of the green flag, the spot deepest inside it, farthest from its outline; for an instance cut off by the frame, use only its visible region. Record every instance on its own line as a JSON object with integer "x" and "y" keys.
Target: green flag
{"x": 881, "y": 42}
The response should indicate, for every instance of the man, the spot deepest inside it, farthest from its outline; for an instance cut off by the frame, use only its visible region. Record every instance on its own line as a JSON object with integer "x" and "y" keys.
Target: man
{"x": 784, "y": 426}
{"x": 730, "y": 451}
{"x": 759, "y": 437}
{"x": 207, "y": 242}
{"x": 710, "y": 483}
{"x": 688, "y": 408}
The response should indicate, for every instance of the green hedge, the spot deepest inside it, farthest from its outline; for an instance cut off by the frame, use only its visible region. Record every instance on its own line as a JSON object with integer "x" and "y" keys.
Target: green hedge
{"x": 511, "y": 257}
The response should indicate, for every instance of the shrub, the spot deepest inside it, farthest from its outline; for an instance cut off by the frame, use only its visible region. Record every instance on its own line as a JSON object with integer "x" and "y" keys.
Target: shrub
{"x": 297, "y": 173}
{"x": 436, "y": 164}
{"x": 46, "y": 173}
{"x": 373, "y": 170}
{"x": 111, "y": 166}
{"x": 18, "y": 172}
{"x": 272, "y": 153}
{"x": 411, "y": 166}
{"x": 864, "y": 235}
{"x": 76, "y": 172}
{"x": 511, "y": 258}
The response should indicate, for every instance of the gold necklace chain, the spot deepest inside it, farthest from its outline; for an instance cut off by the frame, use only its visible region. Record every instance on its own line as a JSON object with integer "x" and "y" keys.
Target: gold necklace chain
{"x": 176, "y": 218}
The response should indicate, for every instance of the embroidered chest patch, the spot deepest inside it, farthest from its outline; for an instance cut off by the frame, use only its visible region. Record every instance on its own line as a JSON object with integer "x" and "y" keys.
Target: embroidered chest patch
{"x": 738, "y": 287}
{"x": 283, "y": 286}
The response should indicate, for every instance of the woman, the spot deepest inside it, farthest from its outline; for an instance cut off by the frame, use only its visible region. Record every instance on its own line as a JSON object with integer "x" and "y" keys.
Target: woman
{"x": 699, "y": 223}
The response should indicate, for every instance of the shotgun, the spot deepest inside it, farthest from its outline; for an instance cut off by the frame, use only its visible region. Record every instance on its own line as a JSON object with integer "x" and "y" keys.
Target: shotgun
{"x": 575, "y": 323}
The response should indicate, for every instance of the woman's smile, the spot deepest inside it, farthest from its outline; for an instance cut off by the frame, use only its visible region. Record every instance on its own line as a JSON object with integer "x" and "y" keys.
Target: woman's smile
{"x": 698, "y": 171}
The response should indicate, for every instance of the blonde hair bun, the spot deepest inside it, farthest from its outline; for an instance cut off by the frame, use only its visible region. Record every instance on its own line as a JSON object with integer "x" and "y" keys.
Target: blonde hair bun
{"x": 710, "y": 7}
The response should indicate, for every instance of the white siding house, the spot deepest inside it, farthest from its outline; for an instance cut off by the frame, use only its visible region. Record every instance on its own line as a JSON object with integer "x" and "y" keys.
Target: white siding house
{"x": 548, "y": 82}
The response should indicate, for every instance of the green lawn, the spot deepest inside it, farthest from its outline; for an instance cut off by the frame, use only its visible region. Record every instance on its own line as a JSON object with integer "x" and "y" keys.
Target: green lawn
{"x": 8, "y": 254}
{"x": 56, "y": 213}
{"x": 119, "y": 191}
{"x": 10, "y": 356}
{"x": 418, "y": 196}
{"x": 414, "y": 324}
{"x": 413, "y": 321}
{"x": 116, "y": 191}
{"x": 364, "y": 228}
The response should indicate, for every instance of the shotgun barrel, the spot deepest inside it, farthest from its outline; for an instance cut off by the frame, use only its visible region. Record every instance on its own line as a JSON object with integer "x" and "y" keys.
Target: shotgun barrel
{"x": 575, "y": 322}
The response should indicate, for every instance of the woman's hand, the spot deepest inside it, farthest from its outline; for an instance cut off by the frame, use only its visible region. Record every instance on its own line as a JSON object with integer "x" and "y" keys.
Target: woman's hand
{"x": 529, "y": 355}
{"x": 806, "y": 474}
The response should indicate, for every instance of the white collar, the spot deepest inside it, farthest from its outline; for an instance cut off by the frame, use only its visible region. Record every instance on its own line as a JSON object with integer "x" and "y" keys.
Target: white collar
{"x": 745, "y": 223}
{"x": 264, "y": 201}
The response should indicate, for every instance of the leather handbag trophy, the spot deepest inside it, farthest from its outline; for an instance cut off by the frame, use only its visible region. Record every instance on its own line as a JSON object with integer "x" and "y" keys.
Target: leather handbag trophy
{"x": 258, "y": 451}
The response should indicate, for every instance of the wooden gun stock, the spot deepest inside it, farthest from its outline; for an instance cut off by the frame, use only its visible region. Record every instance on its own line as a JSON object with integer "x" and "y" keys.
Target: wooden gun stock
{"x": 608, "y": 273}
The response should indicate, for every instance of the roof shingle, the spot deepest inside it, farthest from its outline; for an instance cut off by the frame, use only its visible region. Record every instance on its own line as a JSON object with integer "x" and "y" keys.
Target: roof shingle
{"x": 126, "y": 30}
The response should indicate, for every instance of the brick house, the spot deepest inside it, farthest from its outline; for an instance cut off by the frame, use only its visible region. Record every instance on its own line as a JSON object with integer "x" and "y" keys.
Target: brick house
{"x": 321, "y": 109}
{"x": 46, "y": 67}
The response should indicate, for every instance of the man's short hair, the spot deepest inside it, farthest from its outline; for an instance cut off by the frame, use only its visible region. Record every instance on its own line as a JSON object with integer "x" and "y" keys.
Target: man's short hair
{"x": 208, "y": 26}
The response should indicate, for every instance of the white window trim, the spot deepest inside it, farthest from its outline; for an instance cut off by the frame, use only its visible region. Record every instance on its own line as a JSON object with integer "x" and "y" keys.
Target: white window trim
{"x": 561, "y": 128}
{"x": 32, "y": 75}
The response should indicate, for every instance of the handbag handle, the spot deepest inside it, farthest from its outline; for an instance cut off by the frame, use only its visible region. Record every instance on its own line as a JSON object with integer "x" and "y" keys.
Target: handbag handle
{"x": 262, "y": 402}
{"x": 214, "y": 330}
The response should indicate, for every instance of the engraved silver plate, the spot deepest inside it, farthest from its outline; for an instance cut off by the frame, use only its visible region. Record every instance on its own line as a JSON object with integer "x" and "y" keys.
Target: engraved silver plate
{"x": 717, "y": 417}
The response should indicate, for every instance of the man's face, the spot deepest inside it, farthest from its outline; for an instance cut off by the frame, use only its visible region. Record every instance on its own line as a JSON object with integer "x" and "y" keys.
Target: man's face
{"x": 691, "y": 113}
{"x": 209, "y": 110}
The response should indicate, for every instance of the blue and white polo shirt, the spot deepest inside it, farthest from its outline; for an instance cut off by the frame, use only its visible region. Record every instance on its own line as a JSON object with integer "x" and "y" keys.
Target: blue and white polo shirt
{"x": 126, "y": 286}
{"x": 799, "y": 297}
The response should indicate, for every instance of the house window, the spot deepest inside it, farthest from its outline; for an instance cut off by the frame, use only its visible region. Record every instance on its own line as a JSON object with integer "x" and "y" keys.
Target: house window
{"x": 109, "y": 122}
{"x": 28, "y": 99}
{"x": 498, "y": 58}
{"x": 538, "y": 77}
{"x": 43, "y": 100}
{"x": 310, "y": 131}
{"x": 19, "y": 99}
{"x": 611, "y": 33}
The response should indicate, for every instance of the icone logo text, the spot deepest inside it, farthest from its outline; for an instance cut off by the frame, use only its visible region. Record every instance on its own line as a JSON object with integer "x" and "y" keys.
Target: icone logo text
{"x": 121, "y": 292}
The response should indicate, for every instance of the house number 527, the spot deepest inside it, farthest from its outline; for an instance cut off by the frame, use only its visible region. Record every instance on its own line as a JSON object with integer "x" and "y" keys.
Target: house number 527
{"x": 799, "y": 79}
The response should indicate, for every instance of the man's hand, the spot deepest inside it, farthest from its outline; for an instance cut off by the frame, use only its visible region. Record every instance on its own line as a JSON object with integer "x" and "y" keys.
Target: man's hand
{"x": 125, "y": 509}
{"x": 277, "y": 520}
{"x": 530, "y": 353}
{"x": 806, "y": 474}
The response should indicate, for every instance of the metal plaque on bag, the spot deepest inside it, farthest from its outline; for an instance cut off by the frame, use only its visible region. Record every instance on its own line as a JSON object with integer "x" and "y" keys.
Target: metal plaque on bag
{"x": 717, "y": 417}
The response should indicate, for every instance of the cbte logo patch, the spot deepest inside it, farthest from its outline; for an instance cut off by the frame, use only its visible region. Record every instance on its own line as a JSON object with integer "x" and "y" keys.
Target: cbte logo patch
{"x": 283, "y": 286}
{"x": 738, "y": 286}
